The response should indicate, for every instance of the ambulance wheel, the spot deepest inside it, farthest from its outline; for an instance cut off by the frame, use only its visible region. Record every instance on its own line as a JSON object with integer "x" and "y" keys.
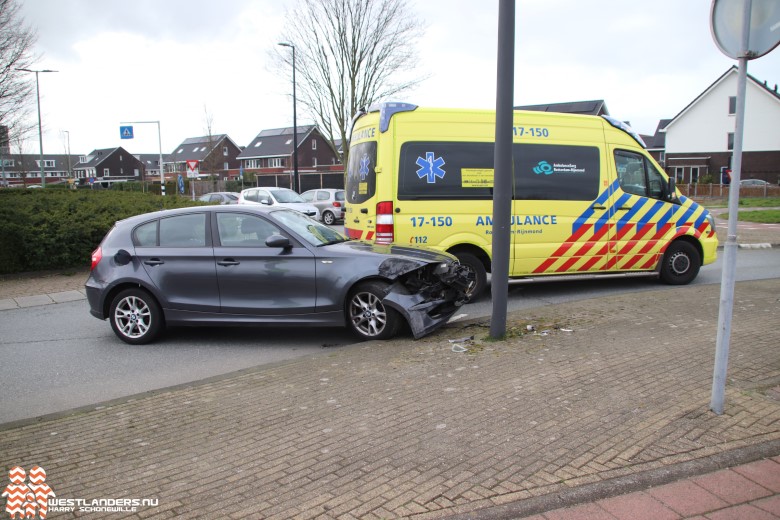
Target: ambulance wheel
{"x": 680, "y": 264}
{"x": 475, "y": 265}
{"x": 367, "y": 316}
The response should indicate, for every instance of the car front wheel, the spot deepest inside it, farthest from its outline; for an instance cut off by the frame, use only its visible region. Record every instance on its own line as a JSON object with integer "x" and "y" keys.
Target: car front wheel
{"x": 135, "y": 316}
{"x": 367, "y": 316}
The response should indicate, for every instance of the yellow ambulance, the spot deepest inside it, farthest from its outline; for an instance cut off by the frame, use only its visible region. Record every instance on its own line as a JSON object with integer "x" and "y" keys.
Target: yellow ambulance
{"x": 588, "y": 200}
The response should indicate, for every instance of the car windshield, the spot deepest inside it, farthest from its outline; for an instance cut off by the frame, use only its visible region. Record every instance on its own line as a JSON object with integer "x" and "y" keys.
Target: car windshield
{"x": 310, "y": 230}
{"x": 285, "y": 195}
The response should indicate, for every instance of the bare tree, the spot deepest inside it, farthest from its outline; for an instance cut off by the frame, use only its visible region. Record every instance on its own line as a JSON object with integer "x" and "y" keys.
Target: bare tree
{"x": 16, "y": 51}
{"x": 349, "y": 54}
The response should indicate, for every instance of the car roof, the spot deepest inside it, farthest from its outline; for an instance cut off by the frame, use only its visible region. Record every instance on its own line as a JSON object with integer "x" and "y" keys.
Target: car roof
{"x": 260, "y": 209}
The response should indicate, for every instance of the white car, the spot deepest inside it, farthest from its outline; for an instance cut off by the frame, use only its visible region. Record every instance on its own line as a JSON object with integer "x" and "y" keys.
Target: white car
{"x": 282, "y": 197}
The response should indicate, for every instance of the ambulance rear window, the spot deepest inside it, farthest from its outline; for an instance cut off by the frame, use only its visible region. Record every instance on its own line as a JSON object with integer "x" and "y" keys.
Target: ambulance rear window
{"x": 361, "y": 173}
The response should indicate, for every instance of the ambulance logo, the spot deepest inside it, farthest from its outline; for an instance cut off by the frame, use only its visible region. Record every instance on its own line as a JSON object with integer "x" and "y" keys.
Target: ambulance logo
{"x": 430, "y": 167}
{"x": 365, "y": 161}
{"x": 27, "y": 500}
{"x": 543, "y": 168}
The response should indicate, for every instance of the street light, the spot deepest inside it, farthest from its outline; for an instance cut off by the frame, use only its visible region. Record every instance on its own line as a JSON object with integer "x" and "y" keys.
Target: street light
{"x": 70, "y": 173}
{"x": 40, "y": 129}
{"x": 296, "y": 179}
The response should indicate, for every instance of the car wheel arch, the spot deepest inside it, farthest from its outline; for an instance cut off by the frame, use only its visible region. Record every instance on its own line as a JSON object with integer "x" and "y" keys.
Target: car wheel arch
{"x": 121, "y": 286}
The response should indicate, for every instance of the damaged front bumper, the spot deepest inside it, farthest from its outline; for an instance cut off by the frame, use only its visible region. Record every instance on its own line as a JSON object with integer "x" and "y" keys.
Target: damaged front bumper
{"x": 428, "y": 296}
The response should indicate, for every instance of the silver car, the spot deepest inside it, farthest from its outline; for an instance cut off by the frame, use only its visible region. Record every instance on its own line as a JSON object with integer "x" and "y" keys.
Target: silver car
{"x": 329, "y": 201}
{"x": 248, "y": 265}
{"x": 281, "y": 197}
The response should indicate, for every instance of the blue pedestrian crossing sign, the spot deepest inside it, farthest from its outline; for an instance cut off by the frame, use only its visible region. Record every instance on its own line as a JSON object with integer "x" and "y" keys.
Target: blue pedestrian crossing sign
{"x": 126, "y": 132}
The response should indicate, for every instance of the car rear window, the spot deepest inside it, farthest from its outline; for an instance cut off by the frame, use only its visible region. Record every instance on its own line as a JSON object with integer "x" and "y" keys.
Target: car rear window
{"x": 361, "y": 174}
{"x": 340, "y": 196}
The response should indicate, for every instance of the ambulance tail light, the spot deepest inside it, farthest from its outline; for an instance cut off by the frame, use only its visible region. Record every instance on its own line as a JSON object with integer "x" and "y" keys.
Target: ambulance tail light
{"x": 385, "y": 227}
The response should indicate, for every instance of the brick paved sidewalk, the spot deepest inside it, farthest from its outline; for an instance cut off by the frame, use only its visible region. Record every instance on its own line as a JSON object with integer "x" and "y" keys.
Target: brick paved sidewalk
{"x": 607, "y": 396}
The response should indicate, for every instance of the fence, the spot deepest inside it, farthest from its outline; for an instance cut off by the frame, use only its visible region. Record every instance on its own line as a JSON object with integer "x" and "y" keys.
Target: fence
{"x": 718, "y": 191}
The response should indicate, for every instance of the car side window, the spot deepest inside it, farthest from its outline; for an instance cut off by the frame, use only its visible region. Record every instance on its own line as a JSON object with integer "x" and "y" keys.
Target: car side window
{"x": 145, "y": 235}
{"x": 262, "y": 196}
{"x": 243, "y": 230}
{"x": 308, "y": 196}
{"x": 322, "y": 195}
{"x": 183, "y": 231}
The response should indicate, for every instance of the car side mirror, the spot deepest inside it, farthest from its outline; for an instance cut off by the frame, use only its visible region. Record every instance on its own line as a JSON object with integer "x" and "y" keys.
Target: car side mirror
{"x": 122, "y": 257}
{"x": 672, "y": 195}
{"x": 278, "y": 241}
{"x": 265, "y": 201}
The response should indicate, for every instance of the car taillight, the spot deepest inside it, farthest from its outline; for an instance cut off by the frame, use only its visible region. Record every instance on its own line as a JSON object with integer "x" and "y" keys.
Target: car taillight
{"x": 385, "y": 227}
{"x": 97, "y": 256}
{"x": 336, "y": 204}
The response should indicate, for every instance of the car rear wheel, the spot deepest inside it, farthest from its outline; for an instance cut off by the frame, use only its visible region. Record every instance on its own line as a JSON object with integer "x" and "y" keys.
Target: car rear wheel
{"x": 329, "y": 218}
{"x": 135, "y": 316}
{"x": 367, "y": 316}
{"x": 681, "y": 263}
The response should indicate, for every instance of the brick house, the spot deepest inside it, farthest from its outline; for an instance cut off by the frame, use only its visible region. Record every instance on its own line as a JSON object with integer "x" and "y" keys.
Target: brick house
{"x": 106, "y": 166}
{"x": 216, "y": 155}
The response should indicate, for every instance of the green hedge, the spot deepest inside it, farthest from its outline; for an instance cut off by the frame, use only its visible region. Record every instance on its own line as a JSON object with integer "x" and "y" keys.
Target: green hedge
{"x": 48, "y": 229}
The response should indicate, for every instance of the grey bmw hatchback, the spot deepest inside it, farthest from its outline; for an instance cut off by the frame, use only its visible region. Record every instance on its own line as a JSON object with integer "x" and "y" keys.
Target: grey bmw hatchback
{"x": 253, "y": 265}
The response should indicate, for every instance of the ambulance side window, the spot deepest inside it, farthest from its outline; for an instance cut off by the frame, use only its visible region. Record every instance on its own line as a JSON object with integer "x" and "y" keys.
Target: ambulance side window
{"x": 556, "y": 172}
{"x": 445, "y": 170}
{"x": 637, "y": 175}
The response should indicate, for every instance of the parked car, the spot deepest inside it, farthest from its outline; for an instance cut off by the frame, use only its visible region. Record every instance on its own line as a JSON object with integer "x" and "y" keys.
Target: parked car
{"x": 220, "y": 197}
{"x": 282, "y": 197}
{"x": 329, "y": 201}
{"x": 753, "y": 183}
{"x": 255, "y": 264}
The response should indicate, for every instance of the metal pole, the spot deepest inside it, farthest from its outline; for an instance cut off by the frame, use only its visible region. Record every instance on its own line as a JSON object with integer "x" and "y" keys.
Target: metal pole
{"x": 40, "y": 129}
{"x": 296, "y": 178}
{"x": 162, "y": 175}
{"x": 503, "y": 173}
{"x": 726, "y": 310}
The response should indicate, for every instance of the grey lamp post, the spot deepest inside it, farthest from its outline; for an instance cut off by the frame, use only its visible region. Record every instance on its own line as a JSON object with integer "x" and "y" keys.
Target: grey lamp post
{"x": 296, "y": 179}
{"x": 40, "y": 129}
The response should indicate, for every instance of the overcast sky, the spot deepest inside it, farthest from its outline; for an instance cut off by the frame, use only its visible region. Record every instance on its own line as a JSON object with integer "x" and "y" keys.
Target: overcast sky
{"x": 173, "y": 60}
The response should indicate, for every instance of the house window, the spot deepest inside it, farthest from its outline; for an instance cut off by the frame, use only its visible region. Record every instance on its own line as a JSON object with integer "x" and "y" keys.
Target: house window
{"x": 314, "y": 162}
{"x": 694, "y": 174}
{"x": 275, "y": 162}
{"x": 8, "y": 162}
{"x": 313, "y": 144}
{"x": 732, "y": 105}
{"x": 47, "y": 163}
{"x": 82, "y": 158}
{"x": 225, "y": 166}
{"x": 121, "y": 171}
{"x": 121, "y": 158}
{"x": 258, "y": 143}
{"x": 106, "y": 172}
{"x": 731, "y": 141}
{"x": 225, "y": 151}
{"x": 180, "y": 150}
{"x": 196, "y": 149}
{"x": 679, "y": 174}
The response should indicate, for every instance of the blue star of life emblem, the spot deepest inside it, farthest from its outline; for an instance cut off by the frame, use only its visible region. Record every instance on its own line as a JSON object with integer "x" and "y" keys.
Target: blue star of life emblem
{"x": 364, "y": 162}
{"x": 430, "y": 167}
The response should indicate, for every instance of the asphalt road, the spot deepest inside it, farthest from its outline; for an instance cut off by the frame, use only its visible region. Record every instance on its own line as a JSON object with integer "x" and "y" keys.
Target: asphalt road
{"x": 58, "y": 357}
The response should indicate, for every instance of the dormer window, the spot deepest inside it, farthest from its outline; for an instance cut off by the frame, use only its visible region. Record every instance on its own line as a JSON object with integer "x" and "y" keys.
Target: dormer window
{"x": 258, "y": 143}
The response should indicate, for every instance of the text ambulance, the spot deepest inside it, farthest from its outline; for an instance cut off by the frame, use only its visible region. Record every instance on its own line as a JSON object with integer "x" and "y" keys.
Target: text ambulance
{"x": 587, "y": 198}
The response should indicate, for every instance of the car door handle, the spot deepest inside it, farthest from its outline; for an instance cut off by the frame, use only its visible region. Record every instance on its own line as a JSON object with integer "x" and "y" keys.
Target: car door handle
{"x": 625, "y": 208}
{"x": 154, "y": 261}
{"x": 598, "y": 206}
{"x": 228, "y": 261}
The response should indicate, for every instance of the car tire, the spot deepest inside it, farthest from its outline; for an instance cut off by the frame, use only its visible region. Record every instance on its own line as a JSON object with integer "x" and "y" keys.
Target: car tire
{"x": 681, "y": 263}
{"x": 476, "y": 266}
{"x": 329, "y": 218}
{"x": 135, "y": 316}
{"x": 367, "y": 316}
